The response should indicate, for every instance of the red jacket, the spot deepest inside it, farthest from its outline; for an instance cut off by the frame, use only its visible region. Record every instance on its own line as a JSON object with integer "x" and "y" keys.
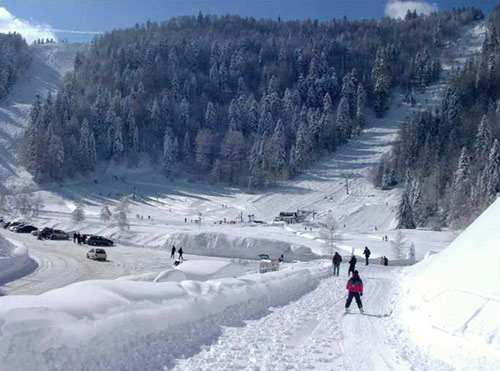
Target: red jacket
{"x": 355, "y": 285}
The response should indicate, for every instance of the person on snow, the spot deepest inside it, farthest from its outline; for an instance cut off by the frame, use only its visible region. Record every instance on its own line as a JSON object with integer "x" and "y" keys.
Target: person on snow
{"x": 337, "y": 259}
{"x": 367, "y": 254}
{"x": 355, "y": 288}
{"x": 180, "y": 254}
{"x": 172, "y": 254}
{"x": 75, "y": 236}
{"x": 281, "y": 258}
{"x": 352, "y": 265}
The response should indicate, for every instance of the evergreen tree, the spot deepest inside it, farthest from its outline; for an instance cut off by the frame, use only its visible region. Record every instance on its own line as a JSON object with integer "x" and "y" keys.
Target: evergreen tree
{"x": 168, "y": 158}
{"x": 343, "y": 121}
{"x": 279, "y": 150}
{"x": 493, "y": 172}
{"x": 405, "y": 214}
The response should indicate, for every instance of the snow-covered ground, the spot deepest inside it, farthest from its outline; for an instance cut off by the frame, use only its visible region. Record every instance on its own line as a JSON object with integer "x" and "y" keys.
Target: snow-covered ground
{"x": 292, "y": 319}
{"x": 15, "y": 261}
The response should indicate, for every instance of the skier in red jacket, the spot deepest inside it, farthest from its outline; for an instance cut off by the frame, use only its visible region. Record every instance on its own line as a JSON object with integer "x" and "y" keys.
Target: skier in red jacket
{"x": 355, "y": 288}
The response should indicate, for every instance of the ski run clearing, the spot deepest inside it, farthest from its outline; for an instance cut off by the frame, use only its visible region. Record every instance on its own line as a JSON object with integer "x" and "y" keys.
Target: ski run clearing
{"x": 214, "y": 312}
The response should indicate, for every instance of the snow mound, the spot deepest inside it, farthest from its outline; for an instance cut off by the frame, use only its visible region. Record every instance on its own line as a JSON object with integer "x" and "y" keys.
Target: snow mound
{"x": 201, "y": 270}
{"x": 453, "y": 298}
{"x": 118, "y": 325}
{"x": 224, "y": 245}
{"x": 15, "y": 261}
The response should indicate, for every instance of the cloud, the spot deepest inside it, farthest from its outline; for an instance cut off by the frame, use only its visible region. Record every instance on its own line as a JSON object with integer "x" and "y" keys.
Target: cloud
{"x": 30, "y": 31}
{"x": 398, "y": 9}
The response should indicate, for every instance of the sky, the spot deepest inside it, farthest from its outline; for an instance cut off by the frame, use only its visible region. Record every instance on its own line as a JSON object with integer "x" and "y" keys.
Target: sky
{"x": 81, "y": 20}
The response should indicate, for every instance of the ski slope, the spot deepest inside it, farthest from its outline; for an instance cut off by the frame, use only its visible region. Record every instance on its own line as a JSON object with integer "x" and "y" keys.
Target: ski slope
{"x": 292, "y": 319}
{"x": 49, "y": 65}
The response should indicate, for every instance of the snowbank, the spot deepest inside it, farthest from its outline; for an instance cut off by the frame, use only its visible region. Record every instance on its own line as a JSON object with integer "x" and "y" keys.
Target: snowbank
{"x": 225, "y": 245}
{"x": 201, "y": 270}
{"x": 452, "y": 299}
{"x": 15, "y": 261}
{"x": 128, "y": 325}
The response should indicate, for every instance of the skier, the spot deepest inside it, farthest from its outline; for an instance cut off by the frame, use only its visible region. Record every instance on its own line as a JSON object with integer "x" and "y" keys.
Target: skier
{"x": 172, "y": 255}
{"x": 337, "y": 259}
{"x": 352, "y": 265}
{"x": 355, "y": 288}
{"x": 180, "y": 254}
{"x": 367, "y": 254}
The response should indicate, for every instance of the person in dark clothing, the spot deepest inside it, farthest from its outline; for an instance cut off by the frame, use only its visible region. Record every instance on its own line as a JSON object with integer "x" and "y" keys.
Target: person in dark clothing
{"x": 281, "y": 258}
{"x": 79, "y": 238}
{"x": 367, "y": 254}
{"x": 337, "y": 259}
{"x": 172, "y": 254}
{"x": 75, "y": 236}
{"x": 355, "y": 288}
{"x": 180, "y": 254}
{"x": 352, "y": 265}
{"x": 386, "y": 261}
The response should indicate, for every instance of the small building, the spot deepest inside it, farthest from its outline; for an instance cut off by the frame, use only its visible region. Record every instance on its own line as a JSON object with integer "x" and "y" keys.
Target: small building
{"x": 289, "y": 217}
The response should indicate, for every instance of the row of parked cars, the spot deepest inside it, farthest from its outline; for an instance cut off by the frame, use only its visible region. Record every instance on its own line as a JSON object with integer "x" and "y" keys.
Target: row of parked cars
{"x": 48, "y": 233}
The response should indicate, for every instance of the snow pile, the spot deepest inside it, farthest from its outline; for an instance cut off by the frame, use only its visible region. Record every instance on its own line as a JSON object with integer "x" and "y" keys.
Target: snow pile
{"x": 15, "y": 261}
{"x": 225, "y": 245}
{"x": 452, "y": 300}
{"x": 128, "y": 325}
{"x": 201, "y": 270}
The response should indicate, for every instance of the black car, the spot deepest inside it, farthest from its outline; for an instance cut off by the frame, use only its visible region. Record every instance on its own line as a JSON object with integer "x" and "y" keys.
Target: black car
{"x": 25, "y": 229}
{"x": 45, "y": 233}
{"x": 98, "y": 241}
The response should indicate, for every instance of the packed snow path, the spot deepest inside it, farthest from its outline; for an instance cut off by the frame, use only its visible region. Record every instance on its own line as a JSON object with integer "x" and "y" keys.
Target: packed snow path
{"x": 315, "y": 333}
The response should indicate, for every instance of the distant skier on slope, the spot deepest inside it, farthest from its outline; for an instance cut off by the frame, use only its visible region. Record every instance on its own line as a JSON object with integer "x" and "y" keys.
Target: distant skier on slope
{"x": 172, "y": 254}
{"x": 180, "y": 254}
{"x": 352, "y": 265}
{"x": 355, "y": 288}
{"x": 367, "y": 254}
{"x": 336, "y": 260}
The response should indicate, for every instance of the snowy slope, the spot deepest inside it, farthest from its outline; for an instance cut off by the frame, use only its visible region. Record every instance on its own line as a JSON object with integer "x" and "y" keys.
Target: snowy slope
{"x": 15, "y": 261}
{"x": 125, "y": 325}
{"x": 452, "y": 300}
{"x": 50, "y": 63}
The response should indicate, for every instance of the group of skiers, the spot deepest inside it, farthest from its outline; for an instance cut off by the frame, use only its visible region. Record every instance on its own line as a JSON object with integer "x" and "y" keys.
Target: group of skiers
{"x": 354, "y": 284}
{"x": 180, "y": 252}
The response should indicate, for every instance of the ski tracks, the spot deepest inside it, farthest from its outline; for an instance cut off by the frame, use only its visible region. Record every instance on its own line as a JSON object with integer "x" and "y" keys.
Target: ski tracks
{"x": 310, "y": 333}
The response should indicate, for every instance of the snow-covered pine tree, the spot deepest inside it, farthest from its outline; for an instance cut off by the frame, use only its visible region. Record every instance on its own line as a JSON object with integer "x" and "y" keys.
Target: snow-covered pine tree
{"x": 168, "y": 160}
{"x": 78, "y": 215}
{"x": 343, "y": 120}
{"x": 56, "y": 158}
{"x": 482, "y": 144}
{"x": 405, "y": 214}
{"x": 210, "y": 117}
{"x": 280, "y": 150}
{"x": 493, "y": 172}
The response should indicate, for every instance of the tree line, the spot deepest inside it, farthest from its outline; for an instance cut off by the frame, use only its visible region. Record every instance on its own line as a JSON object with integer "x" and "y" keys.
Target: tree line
{"x": 15, "y": 58}
{"x": 448, "y": 159}
{"x": 235, "y": 100}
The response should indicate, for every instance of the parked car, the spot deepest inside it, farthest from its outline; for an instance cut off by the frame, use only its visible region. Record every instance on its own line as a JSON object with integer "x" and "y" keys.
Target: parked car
{"x": 44, "y": 233}
{"x": 58, "y": 234}
{"x": 14, "y": 225}
{"x": 25, "y": 229}
{"x": 98, "y": 241}
{"x": 97, "y": 254}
